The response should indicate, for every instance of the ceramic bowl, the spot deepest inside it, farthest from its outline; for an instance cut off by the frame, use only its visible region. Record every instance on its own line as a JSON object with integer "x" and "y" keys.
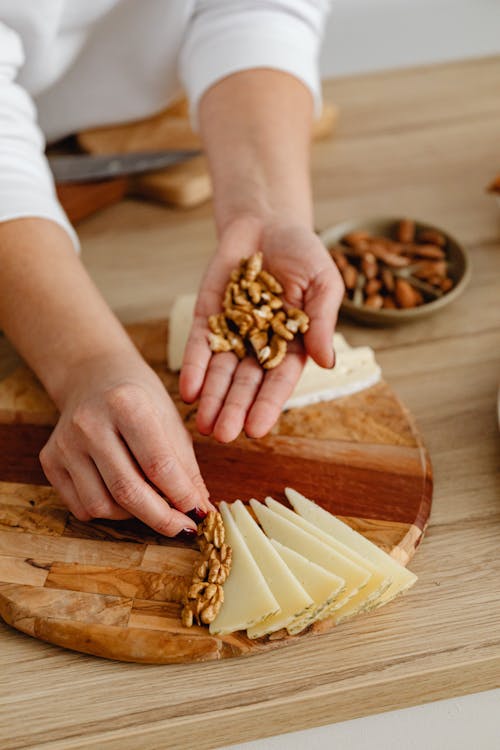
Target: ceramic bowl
{"x": 458, "y": 269}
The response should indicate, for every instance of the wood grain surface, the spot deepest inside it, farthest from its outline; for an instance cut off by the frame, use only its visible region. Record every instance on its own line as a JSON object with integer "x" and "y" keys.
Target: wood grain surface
{"x": 360, "y": 457}
{"x": 417, "y": 142}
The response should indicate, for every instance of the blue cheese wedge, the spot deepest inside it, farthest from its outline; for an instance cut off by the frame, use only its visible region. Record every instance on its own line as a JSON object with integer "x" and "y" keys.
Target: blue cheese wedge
{"x": 309, "y": 546}
{"x": 321, "y": 585}
{"x": 247, "y": 597}
{"x": 293, "y": 600}
{"x": 402, "y": 578}
{"x": 369, "y": 594}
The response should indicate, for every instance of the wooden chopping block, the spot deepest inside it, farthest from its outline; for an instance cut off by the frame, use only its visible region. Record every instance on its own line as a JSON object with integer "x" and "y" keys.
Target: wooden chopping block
{"x": 184, "y": 185}
{"x": 80, "y": 200}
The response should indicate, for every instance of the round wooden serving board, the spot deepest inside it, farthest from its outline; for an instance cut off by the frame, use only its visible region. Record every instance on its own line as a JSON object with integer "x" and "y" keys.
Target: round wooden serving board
{"x": 102, "y": 587}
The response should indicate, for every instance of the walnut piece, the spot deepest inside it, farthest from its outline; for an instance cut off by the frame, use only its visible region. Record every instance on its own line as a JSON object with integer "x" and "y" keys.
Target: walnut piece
{"x": 218, "y": 343}
{"x": 277, "y": 352}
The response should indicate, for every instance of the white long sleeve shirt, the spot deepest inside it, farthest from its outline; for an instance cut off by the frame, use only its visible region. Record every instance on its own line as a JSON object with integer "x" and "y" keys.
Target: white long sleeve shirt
{"x": 67, "y": 65}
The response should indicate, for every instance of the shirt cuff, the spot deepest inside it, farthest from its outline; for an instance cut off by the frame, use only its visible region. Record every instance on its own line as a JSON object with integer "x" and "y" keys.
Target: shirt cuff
{"x": 291, "y": 48}
{"x": 27, "y": 202}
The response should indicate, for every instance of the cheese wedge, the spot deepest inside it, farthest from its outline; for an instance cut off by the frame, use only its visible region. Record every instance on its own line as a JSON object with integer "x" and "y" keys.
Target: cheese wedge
{"x": 339, "y": 343}
{"x": 321, "y": 585}
{"x": 309, "y": 546}
{"x": 247, "y": 597}
{"x": 180, "y": 320}
{"x": 293, "y": 600}
{"x": 367, "y": 596}
{"x": 355, "y": 369}
{"x": 402, "y": 578}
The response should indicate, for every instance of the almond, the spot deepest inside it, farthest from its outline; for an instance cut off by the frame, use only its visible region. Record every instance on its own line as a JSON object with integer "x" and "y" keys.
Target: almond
{"x": 388, "y": 279}
{"x": 405, "y": 294}
{"x": 389, "y": 304}
{"x": 338, "y": 256}
{"x": 350, "y": 275}
{"x": 372, "y": 286}
{"x": 369, "y": 265}
{"x": 356, "y": 239}
{"x": 433, "y": 252}
{"x": 426, "y": 269}
{"x": 406, "y": 230}
{"x": 374, "y": 301}
{"x": 432, "y": 237}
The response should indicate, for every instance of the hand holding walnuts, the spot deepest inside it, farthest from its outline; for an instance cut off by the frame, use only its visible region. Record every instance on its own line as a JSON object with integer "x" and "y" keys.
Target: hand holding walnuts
{"x": 244, "y": 393}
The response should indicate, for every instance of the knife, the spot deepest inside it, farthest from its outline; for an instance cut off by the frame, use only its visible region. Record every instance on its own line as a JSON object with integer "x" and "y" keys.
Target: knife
{"x": 93, "y": 167}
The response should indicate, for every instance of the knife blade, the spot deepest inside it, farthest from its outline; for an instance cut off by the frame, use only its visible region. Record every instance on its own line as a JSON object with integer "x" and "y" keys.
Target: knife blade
{"x": 92, "y": 167}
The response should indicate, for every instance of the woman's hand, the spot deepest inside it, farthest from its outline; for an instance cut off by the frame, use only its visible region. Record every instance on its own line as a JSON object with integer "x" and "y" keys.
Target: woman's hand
{"x": 235, "y": 395}
{"x": 120, "y": 448}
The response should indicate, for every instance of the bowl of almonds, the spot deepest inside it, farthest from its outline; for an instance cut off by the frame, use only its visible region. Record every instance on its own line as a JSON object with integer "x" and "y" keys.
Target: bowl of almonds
{"x": 396, "y": 270}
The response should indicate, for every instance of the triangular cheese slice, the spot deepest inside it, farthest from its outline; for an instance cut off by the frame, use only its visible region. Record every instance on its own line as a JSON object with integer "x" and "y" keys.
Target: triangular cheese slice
{"x": 292, "y": 599}
{"x": 309, "y": 546}
{"x": 247, "y": 597}
{"x": 320, "y": 584}
{"x": 377, "y": 584}
{"x": 402, "y": 578}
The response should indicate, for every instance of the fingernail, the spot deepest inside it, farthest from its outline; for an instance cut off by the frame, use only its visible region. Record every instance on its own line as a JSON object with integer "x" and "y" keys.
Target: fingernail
{"x": 186, "y": 535}
{"x": 334, "y": 358}
{"x": 196, "y": 514}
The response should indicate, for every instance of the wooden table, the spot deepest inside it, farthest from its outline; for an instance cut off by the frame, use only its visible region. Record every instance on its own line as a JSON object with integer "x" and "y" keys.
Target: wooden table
{"x": 420, "y": 142}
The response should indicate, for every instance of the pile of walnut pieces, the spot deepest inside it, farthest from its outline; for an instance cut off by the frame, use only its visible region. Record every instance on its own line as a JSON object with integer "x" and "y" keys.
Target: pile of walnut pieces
{"x": 254, "y": 317}
{"x": 403, "y": 271}
{"x": 204, "y": 596}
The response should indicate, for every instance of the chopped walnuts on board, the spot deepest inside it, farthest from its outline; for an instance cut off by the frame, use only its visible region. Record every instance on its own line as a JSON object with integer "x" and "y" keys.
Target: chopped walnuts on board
{"x": 205, "y": 595}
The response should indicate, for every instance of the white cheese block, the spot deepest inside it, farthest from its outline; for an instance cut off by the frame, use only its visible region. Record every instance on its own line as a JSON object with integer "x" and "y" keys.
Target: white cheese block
{"x": 401, "y": 577}
{"x": 293, "y": 600}
{"x": 339, "y": 343}
{"x": 180, "y": 320}
{"x": 321, "y": 585}
{"x": 247, "y": 597}
{"x": 309, "y": 546}
{"x": 378, "y": 583}
{"x": 355, "y": 369}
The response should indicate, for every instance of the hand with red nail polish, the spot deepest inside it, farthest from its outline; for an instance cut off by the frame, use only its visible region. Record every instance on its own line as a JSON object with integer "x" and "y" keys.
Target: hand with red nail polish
{"x": 120, "y": 448}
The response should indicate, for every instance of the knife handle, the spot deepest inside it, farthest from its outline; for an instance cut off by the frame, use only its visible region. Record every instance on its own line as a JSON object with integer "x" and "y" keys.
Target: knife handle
{"x": 82, "y": 199}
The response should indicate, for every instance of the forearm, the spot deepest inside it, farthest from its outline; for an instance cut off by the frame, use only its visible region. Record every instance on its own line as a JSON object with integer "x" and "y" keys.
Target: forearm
{"x": 49, "y": 307}
{"x": 255, "y": 127}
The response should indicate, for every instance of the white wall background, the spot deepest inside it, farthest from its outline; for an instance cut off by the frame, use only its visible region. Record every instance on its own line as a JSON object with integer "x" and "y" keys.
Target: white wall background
{"x": 366, "y": 35}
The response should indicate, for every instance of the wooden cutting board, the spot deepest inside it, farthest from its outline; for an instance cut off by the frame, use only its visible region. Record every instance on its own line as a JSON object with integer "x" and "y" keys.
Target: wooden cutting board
{"x": 103, "y": 587}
